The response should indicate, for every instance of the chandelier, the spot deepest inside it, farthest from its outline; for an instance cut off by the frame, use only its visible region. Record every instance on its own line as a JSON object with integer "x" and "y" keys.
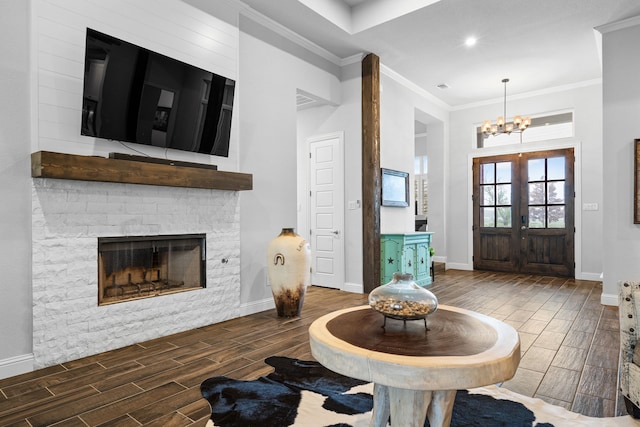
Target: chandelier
{"x": 519, "y": 124}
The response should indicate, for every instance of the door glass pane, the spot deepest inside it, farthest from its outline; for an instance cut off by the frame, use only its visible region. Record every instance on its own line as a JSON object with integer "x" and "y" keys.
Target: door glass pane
{"x": 537, "y": 217}
{"x": 535, "y": 168}
{"x": 487, "y": 217}
{"x": 504, "y": 194}
{"x": 488, "y": 195}
{"x": 556, "y": 217}
{"x": 549, "y": 194}
{"x": 503, "y": 172}
{"x": 555, "y": 192}
{"x": 555, "y": 168}
{"x": 487, "y": 173}
{"x": 536, "y": 193}
{"x": 503, "y": 217}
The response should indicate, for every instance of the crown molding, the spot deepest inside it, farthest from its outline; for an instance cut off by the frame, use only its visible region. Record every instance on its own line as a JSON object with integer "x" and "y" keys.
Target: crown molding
{"x": 294, "y": 37}
{"x": 413, "y": 87}
{"x": 353, "y": 59}
{"x": 290, "y": 35}
{"x": 531, "y": 94}
{"x": 619, "y": 25}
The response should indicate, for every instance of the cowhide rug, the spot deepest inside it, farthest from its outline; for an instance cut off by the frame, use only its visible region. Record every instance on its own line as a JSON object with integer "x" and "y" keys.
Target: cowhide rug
{"x": 306, "y": 394}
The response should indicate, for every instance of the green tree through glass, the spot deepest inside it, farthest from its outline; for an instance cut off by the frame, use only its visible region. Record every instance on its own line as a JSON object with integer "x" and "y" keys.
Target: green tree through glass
{"x": 543, "y": 193}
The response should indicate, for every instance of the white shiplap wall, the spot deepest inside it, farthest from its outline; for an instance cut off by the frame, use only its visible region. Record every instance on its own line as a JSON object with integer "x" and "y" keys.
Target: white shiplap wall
{"x": 169, "y": 27}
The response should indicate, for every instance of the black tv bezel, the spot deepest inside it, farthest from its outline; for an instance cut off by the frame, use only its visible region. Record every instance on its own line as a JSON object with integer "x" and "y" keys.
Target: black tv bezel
{"x": 125, "y": 137}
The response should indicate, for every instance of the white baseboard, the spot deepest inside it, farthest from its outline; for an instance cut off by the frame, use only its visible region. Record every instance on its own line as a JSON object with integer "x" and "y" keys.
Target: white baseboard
{"x": 16, "y": 365}
{"x": 355, "y": 288}
{"x": 596, "y": 277}
{"x": 257, "y": 307}
{"x": 437, "y": 258}
{"x": 609, "y": 299}
{"x": 458, "y": 266}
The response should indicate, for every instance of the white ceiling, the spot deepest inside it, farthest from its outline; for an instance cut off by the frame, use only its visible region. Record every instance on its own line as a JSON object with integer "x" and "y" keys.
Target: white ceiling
{"x": 354, "y": 2}
{"x": 537, "y": 44}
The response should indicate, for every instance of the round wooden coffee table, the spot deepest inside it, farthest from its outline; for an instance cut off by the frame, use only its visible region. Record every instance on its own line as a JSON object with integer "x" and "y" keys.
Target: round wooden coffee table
{"x": 416, "y": 372}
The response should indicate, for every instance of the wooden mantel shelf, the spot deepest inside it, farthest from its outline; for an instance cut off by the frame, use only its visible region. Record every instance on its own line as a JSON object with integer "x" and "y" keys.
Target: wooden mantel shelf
{"x": 46, "y": 164}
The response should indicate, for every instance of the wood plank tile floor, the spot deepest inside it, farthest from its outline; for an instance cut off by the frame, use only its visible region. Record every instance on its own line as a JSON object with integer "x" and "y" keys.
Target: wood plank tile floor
{"x": 569, "y": 356}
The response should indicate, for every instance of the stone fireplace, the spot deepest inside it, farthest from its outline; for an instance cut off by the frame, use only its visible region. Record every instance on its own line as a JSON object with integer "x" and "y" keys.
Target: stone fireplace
{"x": 69, "y": 219}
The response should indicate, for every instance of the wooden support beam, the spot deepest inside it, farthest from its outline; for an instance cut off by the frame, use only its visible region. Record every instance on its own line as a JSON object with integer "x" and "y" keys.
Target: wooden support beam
{"x": 371, "y": 176}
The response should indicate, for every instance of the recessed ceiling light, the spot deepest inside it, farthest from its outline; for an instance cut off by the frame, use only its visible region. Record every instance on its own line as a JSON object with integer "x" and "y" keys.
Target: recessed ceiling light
{"x": 470, "y": 41}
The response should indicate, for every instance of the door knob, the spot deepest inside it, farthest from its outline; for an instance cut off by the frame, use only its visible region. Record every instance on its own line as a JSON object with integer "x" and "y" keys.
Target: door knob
{"x": 524, "y": 227}
{"x": 336, "y": 232}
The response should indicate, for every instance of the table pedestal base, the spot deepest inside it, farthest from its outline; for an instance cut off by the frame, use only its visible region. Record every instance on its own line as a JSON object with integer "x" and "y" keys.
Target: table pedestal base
{"x": 410, "y": 408}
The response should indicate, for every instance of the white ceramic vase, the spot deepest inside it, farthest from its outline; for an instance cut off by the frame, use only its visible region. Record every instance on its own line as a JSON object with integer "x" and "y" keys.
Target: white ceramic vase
{"x": 289, "y": 270}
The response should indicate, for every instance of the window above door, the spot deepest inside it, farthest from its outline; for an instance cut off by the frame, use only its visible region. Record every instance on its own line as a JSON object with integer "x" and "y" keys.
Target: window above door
{"x": 544, "y": 128}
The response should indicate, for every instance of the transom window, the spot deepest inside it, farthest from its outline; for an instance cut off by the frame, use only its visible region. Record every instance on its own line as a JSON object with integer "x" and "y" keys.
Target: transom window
{"x": 554, "y": 126}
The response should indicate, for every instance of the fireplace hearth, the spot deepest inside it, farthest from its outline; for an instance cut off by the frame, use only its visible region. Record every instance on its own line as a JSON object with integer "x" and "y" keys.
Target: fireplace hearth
{"x": 137, "y": 267}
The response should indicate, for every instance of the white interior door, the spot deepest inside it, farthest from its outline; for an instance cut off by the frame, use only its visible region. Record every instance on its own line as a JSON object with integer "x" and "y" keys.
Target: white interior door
{"x": 326, "y": 210}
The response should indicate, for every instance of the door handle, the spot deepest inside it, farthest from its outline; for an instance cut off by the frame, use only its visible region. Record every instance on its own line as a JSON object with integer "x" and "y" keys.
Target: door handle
{"x": 336, "y": 232}
{"x": 524, "y": 227}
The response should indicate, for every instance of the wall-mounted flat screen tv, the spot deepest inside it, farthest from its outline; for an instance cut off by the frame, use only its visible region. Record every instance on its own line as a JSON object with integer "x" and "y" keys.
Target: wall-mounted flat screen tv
{"x": 132, "y": 94}
{"x": 395, "y": 188}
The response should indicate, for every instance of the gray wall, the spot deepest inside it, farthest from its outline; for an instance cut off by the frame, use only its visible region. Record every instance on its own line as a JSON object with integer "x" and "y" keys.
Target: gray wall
{"x": 327, "y": 119}
{"x": 269, "y": 77}
{"x": 401, "y": 104}
{"x": 15, "y": 188}
{"x": 621, "y": 248}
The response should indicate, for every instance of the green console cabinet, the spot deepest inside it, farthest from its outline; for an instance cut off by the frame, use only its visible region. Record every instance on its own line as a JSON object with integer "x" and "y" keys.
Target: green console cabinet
{"x": 406, "y": 253}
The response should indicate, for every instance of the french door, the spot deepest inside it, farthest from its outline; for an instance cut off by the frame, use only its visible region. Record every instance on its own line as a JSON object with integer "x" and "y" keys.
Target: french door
{"x": 523, "y": 210}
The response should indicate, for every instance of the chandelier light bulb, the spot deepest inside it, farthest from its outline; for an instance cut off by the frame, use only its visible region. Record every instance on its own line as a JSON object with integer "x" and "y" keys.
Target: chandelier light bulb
{"x": 526, "y": 122}
{"x": 519, "y": 123}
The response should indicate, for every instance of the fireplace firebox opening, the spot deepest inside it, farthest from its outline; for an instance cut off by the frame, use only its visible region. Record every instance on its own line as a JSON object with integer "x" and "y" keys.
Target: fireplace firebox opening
{"x": 147, "y": 266}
